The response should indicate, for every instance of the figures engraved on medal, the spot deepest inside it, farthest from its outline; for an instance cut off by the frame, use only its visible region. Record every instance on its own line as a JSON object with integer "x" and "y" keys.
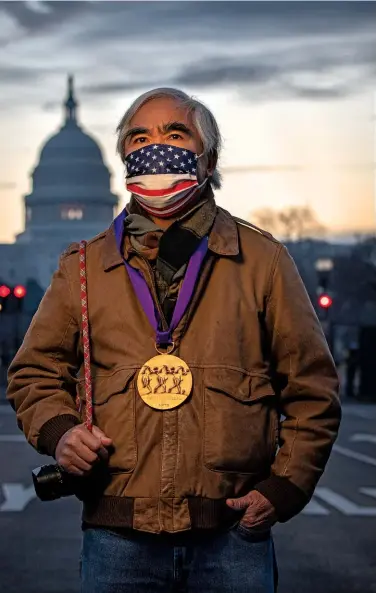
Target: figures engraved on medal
{"x": 164, "y": 379}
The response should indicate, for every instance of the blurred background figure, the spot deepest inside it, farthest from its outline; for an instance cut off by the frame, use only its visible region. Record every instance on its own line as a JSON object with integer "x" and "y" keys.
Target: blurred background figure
{"x": 352, "y": 367}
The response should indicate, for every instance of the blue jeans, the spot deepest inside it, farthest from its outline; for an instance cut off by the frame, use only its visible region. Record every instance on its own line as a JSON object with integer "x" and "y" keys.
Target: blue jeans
{"x": 235, "y": 561}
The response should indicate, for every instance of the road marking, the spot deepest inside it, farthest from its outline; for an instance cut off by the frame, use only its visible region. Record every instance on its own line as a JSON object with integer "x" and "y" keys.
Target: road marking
{"x": 368, "y": 491}
{"x": 12, "y": 438}
{"x": 343, "y": 505}
{"x": 314, "y": 508}
{"x": 366, "y": 412}
{"x": 366, "y": 438}
{"x": 354, "y": 455}
{"x": 17, "y": 497}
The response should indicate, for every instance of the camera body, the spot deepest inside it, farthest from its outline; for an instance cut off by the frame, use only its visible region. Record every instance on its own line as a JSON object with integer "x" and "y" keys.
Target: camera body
{"x": 52, "y": 482}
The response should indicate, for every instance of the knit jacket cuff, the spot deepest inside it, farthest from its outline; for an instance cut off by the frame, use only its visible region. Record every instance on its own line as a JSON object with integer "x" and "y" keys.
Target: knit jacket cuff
{"x": 287, "y": 499}
{"x": 52, "y": 431}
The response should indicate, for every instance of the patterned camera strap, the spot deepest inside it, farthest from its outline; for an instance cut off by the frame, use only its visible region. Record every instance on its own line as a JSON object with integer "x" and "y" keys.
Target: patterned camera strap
{"x": 85, "y": 340}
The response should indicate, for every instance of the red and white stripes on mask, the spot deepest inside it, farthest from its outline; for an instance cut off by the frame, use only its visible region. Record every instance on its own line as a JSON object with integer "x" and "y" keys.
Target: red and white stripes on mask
{"x": 162, "y": 178}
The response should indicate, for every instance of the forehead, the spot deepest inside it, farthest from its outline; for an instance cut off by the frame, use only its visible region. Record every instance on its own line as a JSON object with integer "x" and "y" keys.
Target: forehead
{"x": 161, "y": 110}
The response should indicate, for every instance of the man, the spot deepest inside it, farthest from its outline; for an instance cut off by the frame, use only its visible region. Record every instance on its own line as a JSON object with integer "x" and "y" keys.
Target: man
{"x": 202, "y": 338}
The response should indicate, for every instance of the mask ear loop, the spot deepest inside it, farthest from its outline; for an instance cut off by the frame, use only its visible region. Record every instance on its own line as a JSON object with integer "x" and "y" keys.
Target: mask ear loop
{"x": 208, "y": 177}
{"x": 125, "y": 174}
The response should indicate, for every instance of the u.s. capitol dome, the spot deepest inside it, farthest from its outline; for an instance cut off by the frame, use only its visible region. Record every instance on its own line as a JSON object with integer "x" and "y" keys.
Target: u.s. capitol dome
{"x": 71, "y": 197}
{"x": 70, "y": 200}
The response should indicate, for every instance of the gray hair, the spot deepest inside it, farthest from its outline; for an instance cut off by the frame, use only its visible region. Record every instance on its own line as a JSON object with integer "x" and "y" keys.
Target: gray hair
{"x": 202, "y": 117}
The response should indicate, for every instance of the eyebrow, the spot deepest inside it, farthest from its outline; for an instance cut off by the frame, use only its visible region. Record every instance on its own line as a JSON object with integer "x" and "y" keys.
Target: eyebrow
{"x": 135, "y": 131}
{"x": 169, "y": 127}
{"x": 178, "y": 126}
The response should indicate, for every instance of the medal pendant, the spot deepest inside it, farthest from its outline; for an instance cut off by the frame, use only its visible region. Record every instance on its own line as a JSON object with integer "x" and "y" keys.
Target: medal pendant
{"x": 164, "y": 382}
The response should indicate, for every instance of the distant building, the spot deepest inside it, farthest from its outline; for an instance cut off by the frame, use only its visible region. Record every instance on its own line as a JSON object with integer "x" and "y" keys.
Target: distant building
{"x": 70, "y": 200}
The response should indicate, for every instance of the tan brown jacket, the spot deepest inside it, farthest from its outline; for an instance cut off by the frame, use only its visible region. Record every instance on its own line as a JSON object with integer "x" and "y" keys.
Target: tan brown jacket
{"x": 256, "y": 351}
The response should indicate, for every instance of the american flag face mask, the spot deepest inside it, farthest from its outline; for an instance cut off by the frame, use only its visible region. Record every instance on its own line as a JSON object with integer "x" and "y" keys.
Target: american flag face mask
{"x": 162, "y": 178}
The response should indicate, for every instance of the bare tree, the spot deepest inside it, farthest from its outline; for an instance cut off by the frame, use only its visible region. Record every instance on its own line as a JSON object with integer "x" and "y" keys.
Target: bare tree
{"x": 266, "y": 218}
{"x": 292, "y": 224}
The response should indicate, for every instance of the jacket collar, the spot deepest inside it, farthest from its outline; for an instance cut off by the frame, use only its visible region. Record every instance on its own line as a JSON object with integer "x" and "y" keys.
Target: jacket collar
{"x": 223, "y": 240}
{"x": 111, "y": 254}
{"x": 223, "y": 237}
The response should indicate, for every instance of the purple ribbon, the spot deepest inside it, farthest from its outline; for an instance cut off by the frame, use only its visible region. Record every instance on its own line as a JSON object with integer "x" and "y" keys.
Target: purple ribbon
{"x": 163, "y": 338}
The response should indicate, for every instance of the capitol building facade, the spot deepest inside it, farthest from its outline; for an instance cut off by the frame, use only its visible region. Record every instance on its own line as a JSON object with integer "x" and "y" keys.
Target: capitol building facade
{"x": 71, "y": 199}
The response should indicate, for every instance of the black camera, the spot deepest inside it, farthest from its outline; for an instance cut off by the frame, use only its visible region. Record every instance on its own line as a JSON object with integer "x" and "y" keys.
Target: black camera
{"x": 52, "y": 482}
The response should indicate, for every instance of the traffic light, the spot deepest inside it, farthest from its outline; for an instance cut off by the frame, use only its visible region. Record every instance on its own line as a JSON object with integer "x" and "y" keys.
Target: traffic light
{"x": 325, "y": 301}
{"x": 324, "y": 269}
{"x": 19, "y": 292}
{"x": 4, "y": 297}
{"x": 4, "y": 291}
{"x": 12, "y": 299}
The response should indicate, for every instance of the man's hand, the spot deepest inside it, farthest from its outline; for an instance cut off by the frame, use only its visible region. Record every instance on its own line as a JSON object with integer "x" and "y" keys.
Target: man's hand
{"x": 260, "y": 513}
{"x": 79, "y": 449}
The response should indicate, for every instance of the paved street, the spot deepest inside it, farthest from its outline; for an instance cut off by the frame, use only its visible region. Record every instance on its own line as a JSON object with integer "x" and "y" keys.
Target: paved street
{"x": 330, "y": 548}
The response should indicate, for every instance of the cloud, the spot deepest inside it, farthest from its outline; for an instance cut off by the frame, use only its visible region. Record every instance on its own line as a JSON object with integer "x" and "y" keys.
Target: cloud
{"x": 336, "y": 91}
{"x": 335, "y": 70}
{"x": 15, "y": 74}
{"x": 206, "y": 21}
{"x": 262, "y": 49}
{"x": 218, "y": 21}
{"x": 36, "y": 17}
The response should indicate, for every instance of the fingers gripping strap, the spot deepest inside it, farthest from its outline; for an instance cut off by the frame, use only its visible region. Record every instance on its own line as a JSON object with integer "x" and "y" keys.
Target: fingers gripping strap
{"x": 85, "y": 339}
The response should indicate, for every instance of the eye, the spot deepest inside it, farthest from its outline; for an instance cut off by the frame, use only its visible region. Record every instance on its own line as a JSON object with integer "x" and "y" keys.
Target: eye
{"x": 176, "y": 136}
{"x": 140, "y": 140}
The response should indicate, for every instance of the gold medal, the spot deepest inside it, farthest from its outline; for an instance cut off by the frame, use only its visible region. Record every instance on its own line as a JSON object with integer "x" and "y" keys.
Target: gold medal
{"x": 164, "y": 382}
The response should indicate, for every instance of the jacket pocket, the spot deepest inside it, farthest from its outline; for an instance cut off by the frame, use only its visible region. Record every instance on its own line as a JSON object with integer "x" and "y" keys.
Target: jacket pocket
{"x": 114, "y": 413}
{"x": 240, "y": 422}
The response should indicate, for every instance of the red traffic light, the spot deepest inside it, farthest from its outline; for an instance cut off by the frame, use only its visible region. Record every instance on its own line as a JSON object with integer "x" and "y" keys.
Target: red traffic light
{"x": 325, "y": 301}
{"x": 19, "y": 291}
{"x": 4, "y": 291}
